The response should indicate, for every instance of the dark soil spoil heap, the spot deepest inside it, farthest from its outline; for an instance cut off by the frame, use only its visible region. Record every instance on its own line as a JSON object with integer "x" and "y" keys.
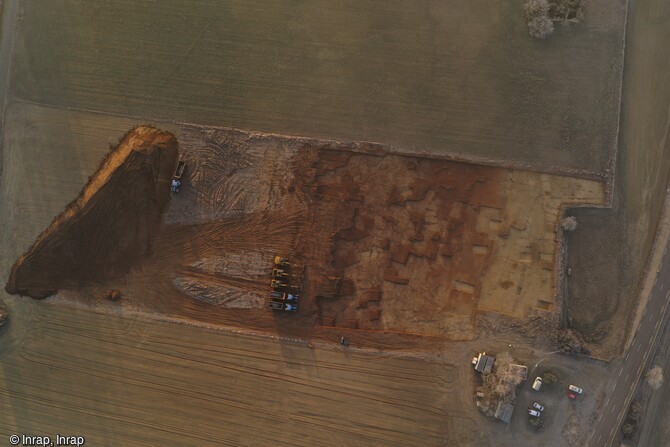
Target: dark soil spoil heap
{"x": 105, "y": 231}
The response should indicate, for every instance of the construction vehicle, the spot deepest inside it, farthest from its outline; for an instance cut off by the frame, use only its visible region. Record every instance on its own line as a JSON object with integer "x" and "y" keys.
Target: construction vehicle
{"x": 282, "y": 296}
{"x": 275, "y": 305}
{"x": 282, "y": 262}
{"x": 176, "y": 181}
{"x": 289, "y": 307}
{"x": 279, "y": 273}
{"x": 277, "y": 284}
{"x": 537, "y": 384}
{"x": 181, "y": 165}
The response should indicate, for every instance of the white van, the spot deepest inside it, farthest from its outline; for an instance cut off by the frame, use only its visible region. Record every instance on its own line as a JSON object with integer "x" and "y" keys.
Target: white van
{"x": 537, "y": 384}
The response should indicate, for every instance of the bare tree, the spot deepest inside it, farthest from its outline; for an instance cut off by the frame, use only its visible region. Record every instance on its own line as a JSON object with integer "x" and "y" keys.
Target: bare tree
{"x": 566, "y": 10}
{"x": 627, "y": 428}
{"x": 655, "y": 377}
{"x": 568, "y": 341}
{"x": 549, "y": 377}
{"x": 536, "y": 8}
{"x": 500, "y": 385}
{"x": 635, "y": 410}
{"x": 569, "y": 223}
{"x": 540, "y": 27}
{"x": 541, "y": 14}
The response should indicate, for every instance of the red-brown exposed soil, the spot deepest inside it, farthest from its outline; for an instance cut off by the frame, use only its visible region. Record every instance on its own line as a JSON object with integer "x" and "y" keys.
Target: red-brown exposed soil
{"x": 384, "y": 247}
{"x": 112, "y": 223}
{"x": 404, "y": 240}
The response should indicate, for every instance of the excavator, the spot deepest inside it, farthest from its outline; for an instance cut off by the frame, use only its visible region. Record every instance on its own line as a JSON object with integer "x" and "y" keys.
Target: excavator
{"x": 176, "y": 180}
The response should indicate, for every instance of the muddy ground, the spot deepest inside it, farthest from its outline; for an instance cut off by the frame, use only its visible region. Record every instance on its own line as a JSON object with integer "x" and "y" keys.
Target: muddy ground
{"x": 382, "y": 245}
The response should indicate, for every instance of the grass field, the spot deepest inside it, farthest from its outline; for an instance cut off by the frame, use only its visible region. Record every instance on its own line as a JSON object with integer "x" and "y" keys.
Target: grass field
{"x": 610, "y": 249}
{"x": 427, "y": 76}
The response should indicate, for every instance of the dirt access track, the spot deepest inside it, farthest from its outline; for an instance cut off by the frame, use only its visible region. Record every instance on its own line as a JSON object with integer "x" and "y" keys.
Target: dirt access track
{"x": 381, "y": 243}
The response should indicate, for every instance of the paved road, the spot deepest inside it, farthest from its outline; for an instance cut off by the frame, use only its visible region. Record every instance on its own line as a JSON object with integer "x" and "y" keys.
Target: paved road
{"x": 621, "y": 387}
{"x": 649, "y": 432}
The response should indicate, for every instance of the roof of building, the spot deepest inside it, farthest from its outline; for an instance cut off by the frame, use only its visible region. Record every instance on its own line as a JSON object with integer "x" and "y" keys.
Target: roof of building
{"x": 484, "y": 363}
{"x": 504, "y": 412}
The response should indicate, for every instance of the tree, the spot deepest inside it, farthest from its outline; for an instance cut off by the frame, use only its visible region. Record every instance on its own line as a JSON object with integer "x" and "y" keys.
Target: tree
{"x": 500, "y": 384}
{"x": 627, "y": 428}
{"x": 565, "y": 10}
{"x": 536, "y": 423}
{"x": 540, "y": 27}
{"x": 537, "y": 16}
{"x": 549, "y": 377}
{"x": 568, "y": 341}
{"x": 569, "y": 223}
{"x": 536, "y": 8}
{"x": 655, "y": 377}
{"x": 635, "y": 410}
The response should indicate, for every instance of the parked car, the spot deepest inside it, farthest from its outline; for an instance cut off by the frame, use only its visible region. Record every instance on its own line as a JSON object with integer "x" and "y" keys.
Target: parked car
{"x": 572, "y": 395}
{"x": 538, "y": 407}
{"x": 575, "y": 389}
{"x": 534, "y": 413}
{"x": 537, "y": 384}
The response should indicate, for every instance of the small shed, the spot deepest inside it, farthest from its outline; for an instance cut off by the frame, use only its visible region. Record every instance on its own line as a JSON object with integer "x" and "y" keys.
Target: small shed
{"x": 504, "y": 412}
{"x": 484, "y": 363}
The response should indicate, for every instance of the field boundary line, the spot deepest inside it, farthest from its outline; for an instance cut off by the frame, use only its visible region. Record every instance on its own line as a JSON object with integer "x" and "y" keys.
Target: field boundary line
{"x": 364, "y": 147}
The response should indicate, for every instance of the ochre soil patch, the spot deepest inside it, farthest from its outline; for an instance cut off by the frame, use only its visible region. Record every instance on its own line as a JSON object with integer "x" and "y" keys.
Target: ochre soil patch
{"x": 386, "y": 247}
{"x": 432, "y": 241}
{"x": 110, "y": 226}
{"x": 404, "y": 230}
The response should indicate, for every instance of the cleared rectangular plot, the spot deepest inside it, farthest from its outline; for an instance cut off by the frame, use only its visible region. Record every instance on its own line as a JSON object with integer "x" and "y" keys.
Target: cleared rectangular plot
{"x": 428, "y": 76}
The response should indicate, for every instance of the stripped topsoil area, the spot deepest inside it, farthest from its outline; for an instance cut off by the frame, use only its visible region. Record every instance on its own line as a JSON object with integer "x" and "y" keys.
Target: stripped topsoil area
{"x": 390, "y": 249}
{"x": 110, "y": 226}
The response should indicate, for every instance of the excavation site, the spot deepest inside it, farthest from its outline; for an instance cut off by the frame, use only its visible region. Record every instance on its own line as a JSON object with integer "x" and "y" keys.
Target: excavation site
{"x": 361, "y": 240}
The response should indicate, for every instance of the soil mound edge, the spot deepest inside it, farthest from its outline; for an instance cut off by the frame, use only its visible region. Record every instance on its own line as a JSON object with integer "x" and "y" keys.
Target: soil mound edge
{"x": 109, "y": 227}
